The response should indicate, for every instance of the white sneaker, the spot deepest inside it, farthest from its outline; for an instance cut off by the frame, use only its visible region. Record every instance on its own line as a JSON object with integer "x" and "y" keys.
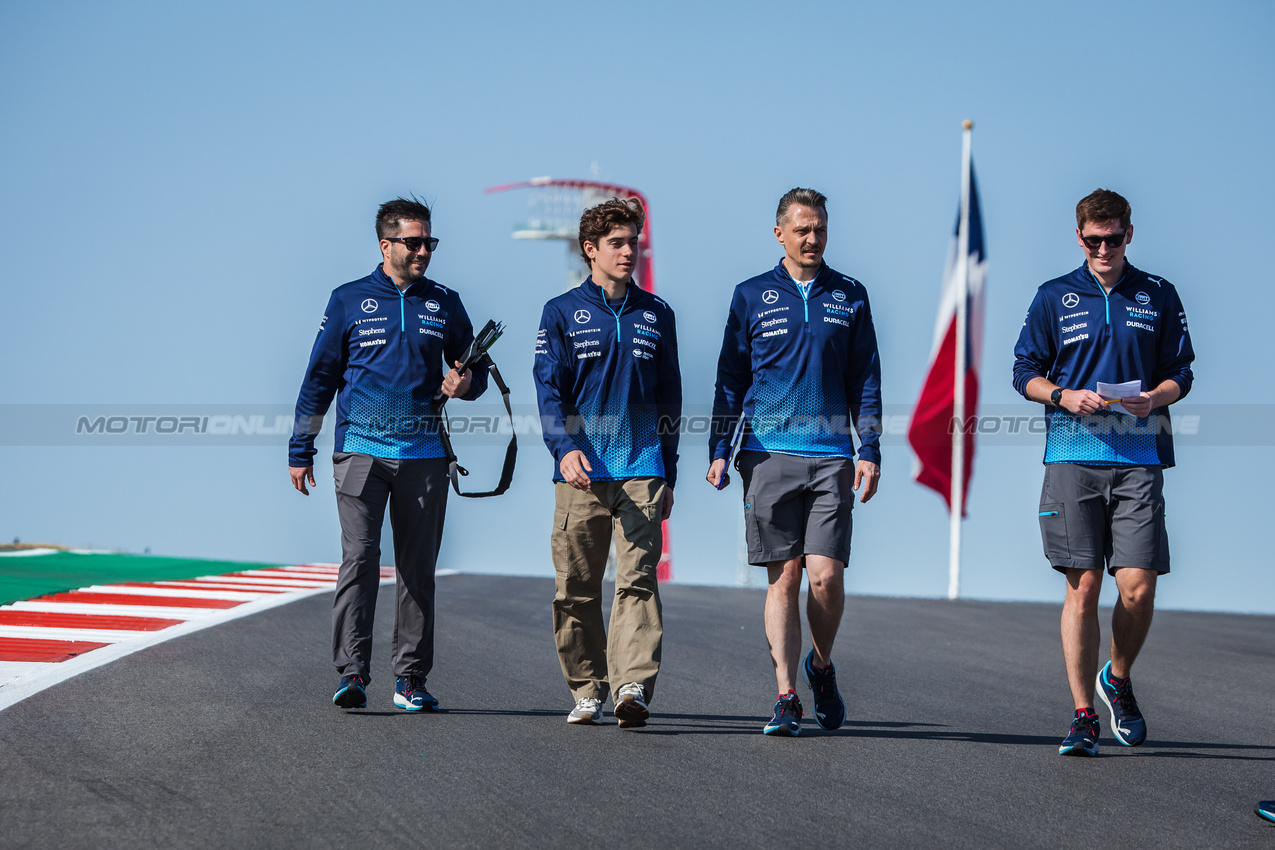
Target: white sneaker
{"x": 630, "y": 706}
{"x": 587, "y": 710}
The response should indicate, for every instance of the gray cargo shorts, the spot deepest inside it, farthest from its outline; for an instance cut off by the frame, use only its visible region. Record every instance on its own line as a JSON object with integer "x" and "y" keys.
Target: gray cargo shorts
{"x": 796, "y": 506}
{"x": 1091, "y": 516}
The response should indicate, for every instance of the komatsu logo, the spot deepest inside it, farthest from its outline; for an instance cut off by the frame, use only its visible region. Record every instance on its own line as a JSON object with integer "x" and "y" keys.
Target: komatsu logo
{"x": 366, "y": 343}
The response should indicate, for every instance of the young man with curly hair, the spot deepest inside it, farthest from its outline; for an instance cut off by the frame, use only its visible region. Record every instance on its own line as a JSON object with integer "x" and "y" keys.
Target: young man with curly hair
{"x": 610, "y": 397}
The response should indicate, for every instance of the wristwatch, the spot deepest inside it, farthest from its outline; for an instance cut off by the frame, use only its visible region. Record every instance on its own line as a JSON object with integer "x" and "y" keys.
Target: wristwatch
{"x": 1055, "y": 398}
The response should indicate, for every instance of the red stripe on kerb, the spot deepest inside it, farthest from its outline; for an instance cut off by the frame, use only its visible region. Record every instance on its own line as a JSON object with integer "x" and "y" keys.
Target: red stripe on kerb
{"x": 22, "y": 649}
{"x": 84, "y": 621}
{"x": 134, "y": 599}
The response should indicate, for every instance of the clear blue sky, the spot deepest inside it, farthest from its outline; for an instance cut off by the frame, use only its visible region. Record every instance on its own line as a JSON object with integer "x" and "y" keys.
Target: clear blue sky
{"x": 180, "y": 188}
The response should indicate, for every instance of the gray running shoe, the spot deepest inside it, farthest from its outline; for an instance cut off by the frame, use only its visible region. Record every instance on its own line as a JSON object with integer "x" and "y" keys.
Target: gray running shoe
{"x": 588, "y": 711}
{"x": 630, "y": 706}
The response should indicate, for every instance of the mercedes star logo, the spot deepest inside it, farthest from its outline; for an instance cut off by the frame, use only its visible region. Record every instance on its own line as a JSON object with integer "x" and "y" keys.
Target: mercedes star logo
{"x": 1070, "y": 300}
{"x": 369, "y": 305}
{"x": 770, "y": 296}
{"x": 582, "y": 316}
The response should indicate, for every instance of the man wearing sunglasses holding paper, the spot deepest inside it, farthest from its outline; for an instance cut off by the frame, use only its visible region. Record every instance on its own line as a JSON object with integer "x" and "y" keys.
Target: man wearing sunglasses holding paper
{"x": 383, "y": 347}
{"x": 1106, "y": 350}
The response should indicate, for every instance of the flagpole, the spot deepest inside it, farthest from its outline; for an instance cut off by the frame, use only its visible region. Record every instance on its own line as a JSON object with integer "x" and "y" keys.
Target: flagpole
{"x": 958, "y": 393}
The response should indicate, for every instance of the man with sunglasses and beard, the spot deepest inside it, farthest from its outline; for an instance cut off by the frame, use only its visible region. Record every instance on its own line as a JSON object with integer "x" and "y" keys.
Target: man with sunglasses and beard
{"x": 1102, "y": 502}
{"x": 382, "y": 349}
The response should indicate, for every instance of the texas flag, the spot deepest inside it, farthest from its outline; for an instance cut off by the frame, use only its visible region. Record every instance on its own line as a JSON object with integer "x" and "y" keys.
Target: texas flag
{"x": 931, "y": 431}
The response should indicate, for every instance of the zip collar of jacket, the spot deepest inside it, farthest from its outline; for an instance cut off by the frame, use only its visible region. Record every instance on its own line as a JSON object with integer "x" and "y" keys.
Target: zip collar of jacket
{"x": 1124, "y": 275}
{"x": 782, "y": 274}
{"x": 382, "y": 278}
{"x": 634, "y": 293}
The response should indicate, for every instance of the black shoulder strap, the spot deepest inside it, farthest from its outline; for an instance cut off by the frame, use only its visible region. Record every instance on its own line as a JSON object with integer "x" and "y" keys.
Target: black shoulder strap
{"x": 511, "y": 453}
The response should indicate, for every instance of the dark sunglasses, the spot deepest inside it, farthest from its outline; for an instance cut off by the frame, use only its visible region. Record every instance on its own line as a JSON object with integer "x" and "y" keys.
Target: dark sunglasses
{"x": 415, "y": 243}
{"x": 1113, "y": 241}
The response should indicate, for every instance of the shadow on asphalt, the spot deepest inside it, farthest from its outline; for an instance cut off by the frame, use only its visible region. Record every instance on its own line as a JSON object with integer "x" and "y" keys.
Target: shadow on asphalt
{"x": 735, "y": 724}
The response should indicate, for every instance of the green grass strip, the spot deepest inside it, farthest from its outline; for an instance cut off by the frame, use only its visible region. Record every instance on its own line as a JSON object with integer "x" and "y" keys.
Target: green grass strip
{"x": 29, "y": 576}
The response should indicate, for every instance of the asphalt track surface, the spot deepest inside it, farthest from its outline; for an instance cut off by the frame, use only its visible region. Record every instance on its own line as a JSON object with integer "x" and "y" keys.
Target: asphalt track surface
{"x": 227, "y": 737}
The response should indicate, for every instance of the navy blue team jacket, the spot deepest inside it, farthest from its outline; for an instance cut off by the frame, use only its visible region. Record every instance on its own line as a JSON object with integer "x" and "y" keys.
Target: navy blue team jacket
{"x": 383, "y": 354}
{"x": 802, "y": 369}
{"x": 608, "y": 384}
{"x": 1076, "y": 334}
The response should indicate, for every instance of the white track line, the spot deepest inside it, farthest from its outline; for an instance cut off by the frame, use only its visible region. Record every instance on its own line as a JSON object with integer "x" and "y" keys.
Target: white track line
{"x": 61, "y": 633}
{"x": 156, "y": 611}
{"x": 172, "y": 593}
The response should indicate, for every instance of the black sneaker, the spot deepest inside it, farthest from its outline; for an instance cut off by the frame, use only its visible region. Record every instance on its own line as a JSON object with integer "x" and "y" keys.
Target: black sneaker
{"x": 830, "y": 709}
{"x": 787, "y": 719}
{"x": 1082, "y": 740}
{"x": 1126, "y": 718}
{"x": 351, "y": 693}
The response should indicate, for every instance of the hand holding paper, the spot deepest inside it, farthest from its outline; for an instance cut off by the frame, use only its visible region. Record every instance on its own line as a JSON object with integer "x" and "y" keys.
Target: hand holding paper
{"x": 1113, "y": 393}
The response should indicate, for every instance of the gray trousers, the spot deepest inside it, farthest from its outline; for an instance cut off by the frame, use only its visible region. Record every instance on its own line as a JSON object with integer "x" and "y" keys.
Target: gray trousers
{"x": 417, "y": 495}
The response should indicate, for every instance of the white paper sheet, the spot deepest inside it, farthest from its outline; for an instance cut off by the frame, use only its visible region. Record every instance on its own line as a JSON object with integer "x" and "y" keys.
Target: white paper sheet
{"x": 1126, "y": 390}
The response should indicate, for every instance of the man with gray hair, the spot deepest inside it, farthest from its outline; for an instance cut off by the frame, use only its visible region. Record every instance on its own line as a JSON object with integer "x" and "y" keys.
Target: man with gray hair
{"x": 799, "y": 364}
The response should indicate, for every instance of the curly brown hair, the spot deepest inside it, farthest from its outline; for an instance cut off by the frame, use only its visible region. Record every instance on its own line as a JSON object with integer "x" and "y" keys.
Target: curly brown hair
{"x": 598, "y": 221}
{"x": 1103, "y": 205}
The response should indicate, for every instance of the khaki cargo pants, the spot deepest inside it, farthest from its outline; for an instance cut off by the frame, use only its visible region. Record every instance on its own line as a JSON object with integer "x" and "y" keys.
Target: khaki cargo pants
{"x": 593, "y": 663}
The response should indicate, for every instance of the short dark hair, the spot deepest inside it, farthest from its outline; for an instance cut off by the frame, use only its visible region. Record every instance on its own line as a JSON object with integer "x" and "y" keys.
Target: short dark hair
{"x": 395, "y": 212}
{"x": 804, "y": 197}
{"x": 598, "y": 221}
{"x": 1103, "y": 205}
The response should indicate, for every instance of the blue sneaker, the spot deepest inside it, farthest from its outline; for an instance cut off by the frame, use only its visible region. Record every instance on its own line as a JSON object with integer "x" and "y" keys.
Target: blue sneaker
{"x": 1126, "y": 720}
{"x": 830, "y": 709}
{"x": 1266, "y": 810}
{"x": 787, "y": 719}
{"x": 1082, "y": 740}
{"x": 351, "y": 693}
{"x": 410, "y": 693}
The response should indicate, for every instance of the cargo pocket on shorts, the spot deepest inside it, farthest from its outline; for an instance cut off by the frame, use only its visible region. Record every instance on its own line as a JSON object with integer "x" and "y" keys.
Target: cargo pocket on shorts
{"x": 1053, "y": 534}
{"x": 1162, "y": 537}
{"x": 560, "y": 516}
{"x": 752, "y": 530}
